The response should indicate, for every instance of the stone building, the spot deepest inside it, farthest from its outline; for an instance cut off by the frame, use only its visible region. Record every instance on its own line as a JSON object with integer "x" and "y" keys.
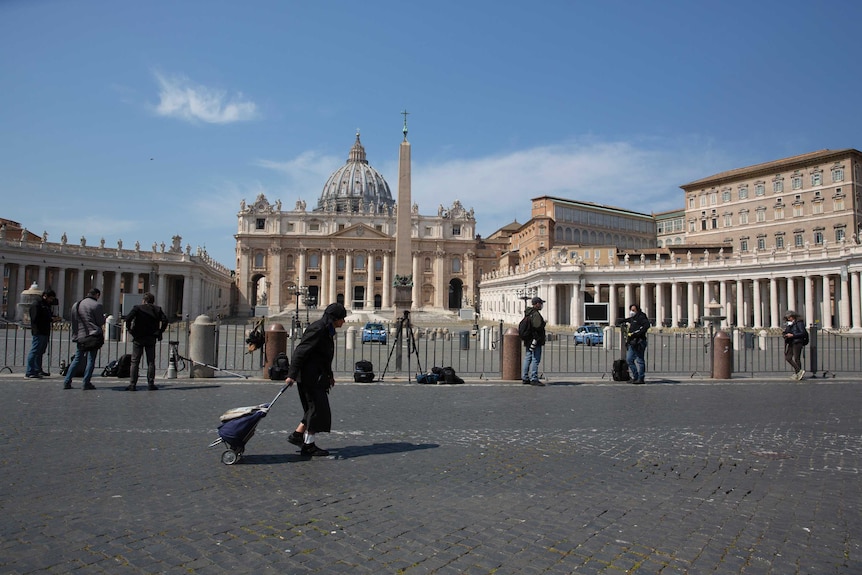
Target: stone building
{"x": 185, "y": 284}
{"x": 343, "y": 249}
{"x": 759, "y": 240}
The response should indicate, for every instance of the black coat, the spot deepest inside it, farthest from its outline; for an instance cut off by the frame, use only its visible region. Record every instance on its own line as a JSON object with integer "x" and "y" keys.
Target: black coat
{"x": 311, "y": 363}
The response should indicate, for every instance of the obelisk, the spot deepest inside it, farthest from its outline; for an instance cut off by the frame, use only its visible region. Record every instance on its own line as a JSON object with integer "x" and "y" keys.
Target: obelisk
{"x": 403, "y": 283}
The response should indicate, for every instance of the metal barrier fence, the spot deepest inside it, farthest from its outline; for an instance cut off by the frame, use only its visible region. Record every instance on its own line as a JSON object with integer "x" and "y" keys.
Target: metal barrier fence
{"x": 676, "y": 353}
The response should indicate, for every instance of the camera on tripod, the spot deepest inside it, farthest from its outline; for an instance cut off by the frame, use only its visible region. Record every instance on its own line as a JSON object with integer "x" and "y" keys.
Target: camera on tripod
{"x": 173, "y": 343}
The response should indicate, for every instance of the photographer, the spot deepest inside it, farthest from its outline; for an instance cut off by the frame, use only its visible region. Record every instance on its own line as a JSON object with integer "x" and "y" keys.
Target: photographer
{"x": 146, "y": 322}
{"x": 636, "y": 342}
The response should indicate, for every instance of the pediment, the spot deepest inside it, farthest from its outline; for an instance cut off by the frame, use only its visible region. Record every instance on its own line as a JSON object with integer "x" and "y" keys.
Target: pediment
{"x": 360, "y": 231}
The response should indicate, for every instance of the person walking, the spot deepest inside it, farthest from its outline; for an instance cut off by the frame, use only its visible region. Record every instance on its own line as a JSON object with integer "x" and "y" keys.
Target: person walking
{"x": 88, "y": 319}
{"x": 636, "y": 342}
{"x": 795, "y": 338}
{"x": 146, "y": 322}
{"x": 311, "y": 370}
{"x": 534, "y": 343}
{"x": 41, "y": 318}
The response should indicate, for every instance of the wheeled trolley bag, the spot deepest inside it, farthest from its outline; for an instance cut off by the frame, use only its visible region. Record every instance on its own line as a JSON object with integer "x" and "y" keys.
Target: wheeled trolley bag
{"x": 237, "y": 428}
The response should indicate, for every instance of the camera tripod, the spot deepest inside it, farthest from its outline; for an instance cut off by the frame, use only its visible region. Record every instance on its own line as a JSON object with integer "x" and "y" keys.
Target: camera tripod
{"x": 403, "y": 323}
{"x": 174, "y": 359}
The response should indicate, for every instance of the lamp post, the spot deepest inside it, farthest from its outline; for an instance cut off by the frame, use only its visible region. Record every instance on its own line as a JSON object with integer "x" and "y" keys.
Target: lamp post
{"x": 309, "y": 300}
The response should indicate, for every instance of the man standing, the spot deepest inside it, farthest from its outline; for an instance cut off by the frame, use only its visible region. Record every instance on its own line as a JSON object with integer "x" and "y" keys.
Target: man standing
{"x": 88, "y": 317}
{"x": 41, "y": 317}
{"x": 534, "y": 343}
{"x": 146, "y": 322}
{"x": 795, "y": 338}
{"x": 638, "y": 325}
{"x": 311, "y": 369}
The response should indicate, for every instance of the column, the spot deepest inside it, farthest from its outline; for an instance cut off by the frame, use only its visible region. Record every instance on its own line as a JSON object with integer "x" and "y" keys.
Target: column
{"x": 114, "y": 307}
{"x": 844, "y": 315}
{"x": 333, "y": 278}
{"x": 348, "y": 279}
{"x": 628, "y": 297}
{"x": 791, "y": 294}
{"x": 41, "y": 278}
{"x": 725, "y": 303}
{"x": 387, "y": 279}
{"x": 416, "y": 292}
{"x": 856, "y": 300}
{"x": 692, "y": 311}
{"x": 756, "y": 302}
{"x": 644, "y": 304}
{"x": 612, "y": 303}
{"x": 809, "y": 300}
{"x": 369, "y": 281}
{"x": 61, "y": 290}
{"x": 740, "y": 304}
{"x": 576, "y": 305}
{"x": 775, "y": 315}
{"x": 675, "y": 309}
{"x": 660, "y": 314}
{"x": 325, "y": 272}
{"x": 826, "y": 307}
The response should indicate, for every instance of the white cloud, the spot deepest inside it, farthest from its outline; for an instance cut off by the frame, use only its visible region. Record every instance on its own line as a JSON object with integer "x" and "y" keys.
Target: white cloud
{"x": 179, "y": 98}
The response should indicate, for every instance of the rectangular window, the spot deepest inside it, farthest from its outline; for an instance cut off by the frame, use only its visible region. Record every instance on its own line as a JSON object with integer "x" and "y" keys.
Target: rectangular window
{"x": 777, "y": 186}
{"x": 818, "y": 238}
{"x": 728, "y": 220}
{"x": 759, "y": 190}
{"x": 427, "y": 231}
{"x": 702, "y": 201}
{"x": 838, "y": 204}
{"x": 456, "y": 230}
{"x": 743, "y": 193}
{"x": 796, "y": 182}
{"x": 817, "y": 208}
{"x": 816, "y": 179}
{"x": 760, "y": 215}
{"x": 290, "y": 227}
{"x": 743, "y": 217}
{"x": 797, "y": 240}
{"x": 839, "y": 235}
{"x": 691, "y": 227}
{"x": 779, "y": 213}
{"x": 779, "y": 242}
{"x": 314, "y": 227}
{"x": 713, "y": 198}
{"x": 725, "y": 196}
{"x": 797, "y": 210}
{"x": 691, "y": 202}
{"x": 838, "y": 174}
{"x": 743, "y": 245}
{"x": 260, "y": 224}
{"x": 761, "y": 243}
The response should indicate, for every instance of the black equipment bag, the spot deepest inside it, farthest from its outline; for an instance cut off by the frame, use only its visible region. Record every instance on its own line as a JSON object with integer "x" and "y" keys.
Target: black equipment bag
{"x": 363, "y": 371}
{"x": 621, "y": 370}
{"x": 124, "y": 366}
{"x": 79, "y": 371}
{"x": 278, "y": 370}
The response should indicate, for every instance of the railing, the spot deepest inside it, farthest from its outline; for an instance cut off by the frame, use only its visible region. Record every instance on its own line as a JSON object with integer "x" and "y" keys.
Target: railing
{"x": 673, "y": 353}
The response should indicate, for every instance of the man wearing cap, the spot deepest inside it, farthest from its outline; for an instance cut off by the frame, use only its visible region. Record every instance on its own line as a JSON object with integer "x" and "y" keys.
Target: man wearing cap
{"x": 533, "y": 355}
{"x": 41, "y": 316}
{"x": 311, "y": 369}
{"x": 795, "y": 338}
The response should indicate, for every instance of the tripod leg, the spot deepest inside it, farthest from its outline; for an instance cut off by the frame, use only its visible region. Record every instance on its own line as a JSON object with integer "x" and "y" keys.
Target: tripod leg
{"x": 395, "y": 344}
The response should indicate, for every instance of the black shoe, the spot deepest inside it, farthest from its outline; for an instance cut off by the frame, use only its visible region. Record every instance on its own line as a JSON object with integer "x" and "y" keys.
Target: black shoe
{"x": 295, "y": 438}
{"x": 525, "y": 381}
{"x": 67, "y": 386}
{"x": 45, "y": 374}
{"x": 152, "y": 386}
{"x": 310, "y": 449}
{"x": 33, "y": 376}
{"x": 132, "y": 387}
{"x": 537, "y": 383}
{"x": 638, "y": 381}
{"x": 89, "y": 386}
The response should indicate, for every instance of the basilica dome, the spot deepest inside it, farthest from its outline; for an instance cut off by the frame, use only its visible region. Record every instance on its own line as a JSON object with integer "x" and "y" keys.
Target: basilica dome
{"x": 356, "y": 186}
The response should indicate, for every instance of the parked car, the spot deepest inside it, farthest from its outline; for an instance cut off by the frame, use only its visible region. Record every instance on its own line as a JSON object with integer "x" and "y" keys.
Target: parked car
{"x": 374, "y": 332}
{"x": 589, "y": 335}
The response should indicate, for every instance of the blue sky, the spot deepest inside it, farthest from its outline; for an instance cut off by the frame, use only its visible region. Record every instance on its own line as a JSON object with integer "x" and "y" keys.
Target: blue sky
{"x": 142, "y": 120}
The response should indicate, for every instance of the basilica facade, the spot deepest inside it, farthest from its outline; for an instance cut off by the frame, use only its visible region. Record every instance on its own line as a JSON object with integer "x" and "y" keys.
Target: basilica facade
{"x": 343, "y": 248}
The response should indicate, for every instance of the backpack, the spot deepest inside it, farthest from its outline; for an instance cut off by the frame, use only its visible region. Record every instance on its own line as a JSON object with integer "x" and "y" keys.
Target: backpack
{"x": 525, "y": 329}
{"x": 621, "y": 370}
{"x": 363, "y": 371}
{"x": 111, "y": 369}
{"x": 449, "y": 376}
{"x": 805, "y": 338}
{"x": 124, "y": 366}
{"x": 278, "y": 369}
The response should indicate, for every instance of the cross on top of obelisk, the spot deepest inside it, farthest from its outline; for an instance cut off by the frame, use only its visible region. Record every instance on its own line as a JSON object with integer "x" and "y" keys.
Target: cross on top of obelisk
{"x": 405, "y": 114}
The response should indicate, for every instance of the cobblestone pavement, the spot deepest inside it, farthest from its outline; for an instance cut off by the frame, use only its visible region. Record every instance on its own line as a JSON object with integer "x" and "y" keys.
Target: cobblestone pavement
{"x": 708, "y": 477}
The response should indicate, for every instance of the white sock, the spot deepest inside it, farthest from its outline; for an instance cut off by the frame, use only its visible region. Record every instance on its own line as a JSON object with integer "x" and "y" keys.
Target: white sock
{"x": 309, "y": 438}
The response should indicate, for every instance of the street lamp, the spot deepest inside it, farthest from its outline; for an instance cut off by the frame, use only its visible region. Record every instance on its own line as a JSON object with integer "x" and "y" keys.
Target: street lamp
{"x": 309, "y": 300}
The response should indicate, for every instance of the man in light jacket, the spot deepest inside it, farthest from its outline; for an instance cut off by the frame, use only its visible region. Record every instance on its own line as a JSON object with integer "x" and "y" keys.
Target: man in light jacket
{"x": 88, "y": 319}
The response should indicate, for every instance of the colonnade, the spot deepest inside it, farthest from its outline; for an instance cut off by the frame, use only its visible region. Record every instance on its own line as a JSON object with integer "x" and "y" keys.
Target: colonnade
{"x": 333, "y": 274}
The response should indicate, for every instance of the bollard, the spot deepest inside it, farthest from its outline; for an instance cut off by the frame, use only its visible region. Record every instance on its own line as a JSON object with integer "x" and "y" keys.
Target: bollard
{"x": 464, "y": 339}
{"x": 202, "y": 347}
{"x": 172, "y": 362}
{"x": 274, "y": 343}
{"x": 722, "y": 356}
{"x": 512, "y": 355}
{"x": 350, "y": 337}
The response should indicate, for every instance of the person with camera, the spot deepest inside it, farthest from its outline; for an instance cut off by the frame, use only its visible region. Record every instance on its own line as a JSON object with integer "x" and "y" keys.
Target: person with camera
{"x": 311, "y": 370}
{"x": 88, "y": 319}
{"x": 41, "y": 318}
{"x": 146, "y": 322}
{"x": 636, "y": 342}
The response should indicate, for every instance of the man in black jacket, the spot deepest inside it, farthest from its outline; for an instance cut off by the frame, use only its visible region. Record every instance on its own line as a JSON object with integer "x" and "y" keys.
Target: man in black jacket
{"x": 146, "y": 322}
{"x": 795, "y": 338}
{"x": 41, "y": 317}
{"x": 311, "y": 369}
{"x": 638, "y": 325}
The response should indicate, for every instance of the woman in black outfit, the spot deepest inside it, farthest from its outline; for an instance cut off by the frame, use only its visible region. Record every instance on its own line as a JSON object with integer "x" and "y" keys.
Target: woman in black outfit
{"x": 311, "y": 369}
